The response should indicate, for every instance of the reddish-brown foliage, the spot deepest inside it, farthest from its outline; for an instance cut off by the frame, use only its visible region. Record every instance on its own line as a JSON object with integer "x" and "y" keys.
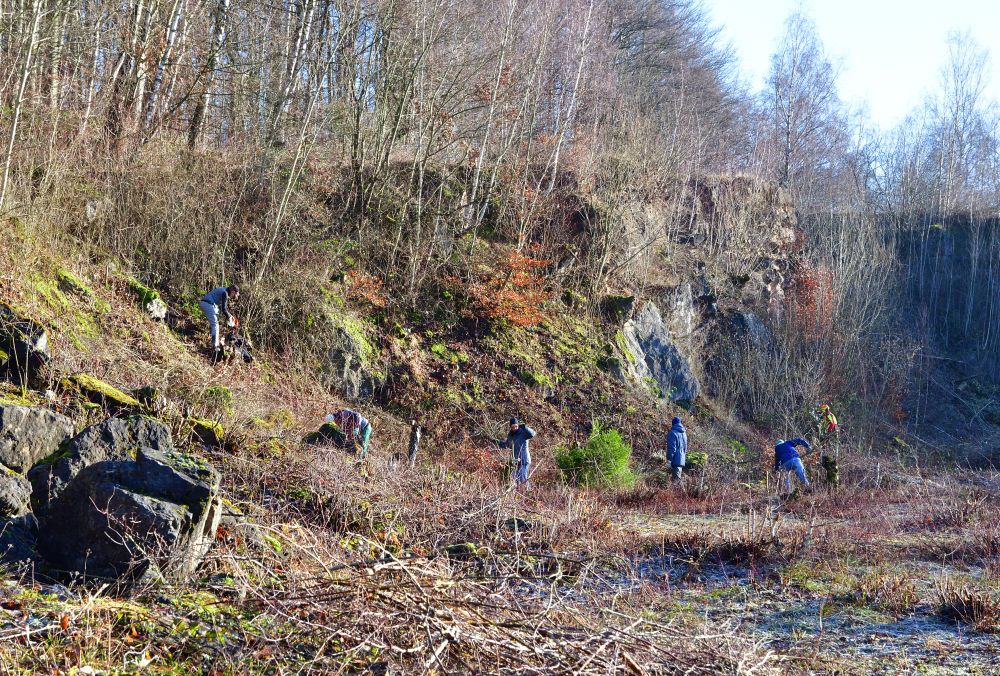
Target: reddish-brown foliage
{"x": 506, "y": 285}
{"x": 366, "y": 288}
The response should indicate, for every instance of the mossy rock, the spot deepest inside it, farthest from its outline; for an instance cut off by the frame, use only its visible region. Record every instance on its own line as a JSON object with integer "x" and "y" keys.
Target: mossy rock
{"x": 143, "y": 294}
{"x": 618, "y": 308}
{"x": 70, "y": 282}
{"x": 99, "y": 392}
{"x": 328, "y": 434}
{"x": 208, "y": 432}
{"x": 535, "y": 379}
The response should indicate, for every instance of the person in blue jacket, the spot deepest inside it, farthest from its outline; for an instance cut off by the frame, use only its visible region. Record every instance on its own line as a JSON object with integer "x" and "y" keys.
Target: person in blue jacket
{"x": 677, "y": 446}
{"x": 787, "y": 459}
{"x": 517, "y": 441}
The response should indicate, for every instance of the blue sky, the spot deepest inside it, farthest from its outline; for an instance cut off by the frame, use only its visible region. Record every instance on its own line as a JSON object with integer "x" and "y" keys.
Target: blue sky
{"x": 889, "y": 52}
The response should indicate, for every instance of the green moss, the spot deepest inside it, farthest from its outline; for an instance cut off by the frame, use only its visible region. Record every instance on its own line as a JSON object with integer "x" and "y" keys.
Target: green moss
{"x": 219, "y": 396}
{"x": 273, "y": 543}
{"x": 98, "y": 391}
{"x": 622, "y": 346}
{"x": 535, "y": 379}
{"x": 208, "y": 431}
{"x": 143, "y": 294}
{"x": 573, "y": 299}
{"x": 48, "y": 291}
{"x": 358, "y": 332}
{"x": 442, "y": 352}
{"x": 15, "y": 400}
{"x": 70, "y": 282}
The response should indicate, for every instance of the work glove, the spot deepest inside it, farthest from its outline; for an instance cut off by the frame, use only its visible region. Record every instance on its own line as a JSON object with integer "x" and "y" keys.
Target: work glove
{"x": 231, "y": 322}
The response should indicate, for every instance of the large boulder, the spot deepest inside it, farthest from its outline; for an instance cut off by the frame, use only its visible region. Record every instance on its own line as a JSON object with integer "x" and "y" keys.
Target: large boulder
{"x": 24, "y": 347}
{"x": 29, "y": 434}
{"x": 153, "y": 516}
{"x": 116, "y": 439}
{"x": 655, "y": 357}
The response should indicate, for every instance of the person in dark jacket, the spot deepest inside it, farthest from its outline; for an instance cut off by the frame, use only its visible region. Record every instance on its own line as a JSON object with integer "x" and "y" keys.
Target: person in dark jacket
{"x": 355, "y": 427}
{"x": 211, "y": 304}
{"x": 677, "y": 446}
{"x": 787, "y": 459}
{"x": 517, "y": 441}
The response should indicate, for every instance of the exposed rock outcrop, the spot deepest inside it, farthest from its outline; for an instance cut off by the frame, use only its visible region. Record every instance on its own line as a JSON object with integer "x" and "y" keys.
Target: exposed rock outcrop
{"x": 30, "y": 434}
{"x": 656, "y": 359}
{"x": 347, "y": 366}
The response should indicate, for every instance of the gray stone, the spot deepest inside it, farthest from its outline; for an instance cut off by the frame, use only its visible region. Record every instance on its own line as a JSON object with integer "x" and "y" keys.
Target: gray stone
{"x": 132, "y": 520}
{"x": 114, "y": 439}
{"x": 17, "y": 541}
{"x": 746, "y": 328}
{"x": 679, "y": 312}
{"x": 657, "y": 358}
{"x": 157, "y": 309}
{"x": 24, "y": 345}
{"x": 28, "y": 434}
{"x": 346, "y": 367}
{"x": 15, "y": 495}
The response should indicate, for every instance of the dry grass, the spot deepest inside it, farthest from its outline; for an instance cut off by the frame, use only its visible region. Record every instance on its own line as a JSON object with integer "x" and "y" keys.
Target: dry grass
{"x": 976, "y": 605}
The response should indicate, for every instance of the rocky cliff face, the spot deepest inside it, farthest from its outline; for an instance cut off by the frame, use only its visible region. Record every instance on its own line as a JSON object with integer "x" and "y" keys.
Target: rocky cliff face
{"x": 655, "y": 359}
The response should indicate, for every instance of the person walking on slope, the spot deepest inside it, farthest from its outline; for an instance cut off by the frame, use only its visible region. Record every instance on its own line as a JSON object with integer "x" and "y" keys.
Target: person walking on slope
{"x": 517, "y": 441}
{"x": 677, "y": 446}
{"x": 214, "y": 301}
{"x": 355, "y": 427}
{"x": 787, "y": 459}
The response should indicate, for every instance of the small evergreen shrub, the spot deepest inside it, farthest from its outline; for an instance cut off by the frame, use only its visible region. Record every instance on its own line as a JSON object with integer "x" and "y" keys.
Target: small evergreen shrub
{"x": 605, "y": 460}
